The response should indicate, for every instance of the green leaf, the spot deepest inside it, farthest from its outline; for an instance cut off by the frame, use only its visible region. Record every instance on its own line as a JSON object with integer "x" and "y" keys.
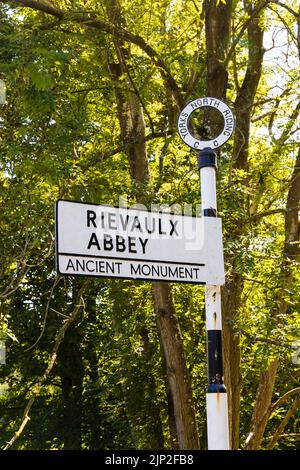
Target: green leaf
{"x": 42, "y": 80}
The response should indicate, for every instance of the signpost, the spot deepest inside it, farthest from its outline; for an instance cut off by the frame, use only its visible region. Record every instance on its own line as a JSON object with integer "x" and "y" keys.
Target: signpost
{"x": 106, "y": 241}
{"x": 208, "y": 102}
{"x": 216, "y": 396}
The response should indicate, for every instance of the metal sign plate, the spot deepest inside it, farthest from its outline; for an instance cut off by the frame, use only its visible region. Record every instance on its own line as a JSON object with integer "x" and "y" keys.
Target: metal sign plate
{"x": 106, "y": 241}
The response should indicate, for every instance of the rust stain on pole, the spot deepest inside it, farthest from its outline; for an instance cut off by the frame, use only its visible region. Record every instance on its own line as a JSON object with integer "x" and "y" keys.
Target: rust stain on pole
{"x": 218, "y": 401}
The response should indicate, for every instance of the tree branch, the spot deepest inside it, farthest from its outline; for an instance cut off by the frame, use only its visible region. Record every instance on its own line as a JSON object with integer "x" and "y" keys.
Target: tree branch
{"x": 259, "y": 7}
{"x": 261, "y": 215}
{"x": 290, "y": 413}
{"x": 86, "y": 20}
{"x": 286, "y": 7}
{"x": 104, "y": 156}
{"x": 284, "y": 398}
{"x": 56, "y": 281}
{"x": 265, "y": 340}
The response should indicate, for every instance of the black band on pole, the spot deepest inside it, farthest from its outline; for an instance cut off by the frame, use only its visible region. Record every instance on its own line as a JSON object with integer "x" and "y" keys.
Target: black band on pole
{"x": 215, "y": 364}
{"x": 207, "y": 157}
{"x": 210, "y": 213}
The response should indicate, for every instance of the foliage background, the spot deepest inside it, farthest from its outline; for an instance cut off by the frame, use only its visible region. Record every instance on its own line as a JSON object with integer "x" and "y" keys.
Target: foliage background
{"x": 60, "y": 138}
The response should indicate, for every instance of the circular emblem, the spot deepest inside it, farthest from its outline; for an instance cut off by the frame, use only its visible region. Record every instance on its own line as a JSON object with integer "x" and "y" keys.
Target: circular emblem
{"x": 185, "y": 115}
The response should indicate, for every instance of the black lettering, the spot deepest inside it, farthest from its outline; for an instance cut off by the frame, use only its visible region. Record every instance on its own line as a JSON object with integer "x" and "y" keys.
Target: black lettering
{"x": 112, "y": 221}
{"x": 173, "y": 273}
{"x": 87, "y": 266}
{"x": 120, "y": 244}
{"x": 79, "y": 265}
{"x": 131, "y": 245}
{"x": 102, "y": 220}
{"x": 101, "y": 268}
{"x": 166, "y": 271}
{"x": 196, "y": 269}
{"x": 136, "y": 224}
{"x": 181, "y": 272}
{"x": 189, "y": 272}
{"x": 160, "y": 231}
{"x": 93, "y": 242}
{"x": 183, "y": 132}
{"x": 91, "y": 217}
{"x": 143, "y": 243}
{"x": 107, "y": 243}
{"x": 135, "y": 271}
{"x": 147, "y": 225}
{"x": 173, "y": 224}
{"x": 70, "y": 265}
{"x": 147, "y": 267}
{"x": 118, "y": 266}
{"x": 155, "y": 271}
{"x": 110, "y": 267}
{"x": 124, "y": 222}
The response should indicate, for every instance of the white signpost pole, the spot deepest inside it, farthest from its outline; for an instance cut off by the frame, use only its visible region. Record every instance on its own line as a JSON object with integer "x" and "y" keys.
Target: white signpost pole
{"x": 216, "y": 395}
{"x": 102, "y": 241}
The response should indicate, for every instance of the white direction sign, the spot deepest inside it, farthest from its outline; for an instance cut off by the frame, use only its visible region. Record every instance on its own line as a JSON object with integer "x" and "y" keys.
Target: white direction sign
{"x": 106, "y": 241}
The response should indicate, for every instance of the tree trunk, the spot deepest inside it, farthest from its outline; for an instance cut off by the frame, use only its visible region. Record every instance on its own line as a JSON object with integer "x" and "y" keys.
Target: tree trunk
{"x": 177, "y": 373}
{"x": 156, "y": 436}
{"x": 131, "y": 119}
{"x": 71, "y": 371}
{"x": 231, "y": 300}
{"x": 290, "y": 413}
{"x": 91, "y": 356}
{"x": 217, "y": 22}
{"x": 217, "y": 36}
{"x": 261, "y": 411}
{"x": 245, "y": 97}
{"x": 217, "y": 29}
{"x": 291, "y": 253}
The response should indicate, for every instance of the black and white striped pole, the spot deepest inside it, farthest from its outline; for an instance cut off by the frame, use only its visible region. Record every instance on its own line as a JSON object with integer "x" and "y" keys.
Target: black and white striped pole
{"x": 216, "y": 395}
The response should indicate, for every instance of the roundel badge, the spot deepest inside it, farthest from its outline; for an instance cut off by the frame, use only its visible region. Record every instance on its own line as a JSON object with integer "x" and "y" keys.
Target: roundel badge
{"x": 185, "y": 115}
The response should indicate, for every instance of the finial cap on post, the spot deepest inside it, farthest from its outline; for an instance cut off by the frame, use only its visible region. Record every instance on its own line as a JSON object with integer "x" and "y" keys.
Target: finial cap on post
{"x": 207, "y": 157}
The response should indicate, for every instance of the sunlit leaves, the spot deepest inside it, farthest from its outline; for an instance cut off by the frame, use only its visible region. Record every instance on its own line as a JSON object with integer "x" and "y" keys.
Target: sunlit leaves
{"x": 60, "y": 137}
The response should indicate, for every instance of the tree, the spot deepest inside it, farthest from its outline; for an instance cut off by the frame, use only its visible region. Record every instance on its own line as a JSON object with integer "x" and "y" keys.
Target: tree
{"x": 93, "y": 93}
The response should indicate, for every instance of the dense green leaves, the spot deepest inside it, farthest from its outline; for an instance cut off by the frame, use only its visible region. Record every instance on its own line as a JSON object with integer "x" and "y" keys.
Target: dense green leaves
{"x": 60, "y": 138}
